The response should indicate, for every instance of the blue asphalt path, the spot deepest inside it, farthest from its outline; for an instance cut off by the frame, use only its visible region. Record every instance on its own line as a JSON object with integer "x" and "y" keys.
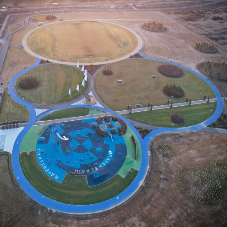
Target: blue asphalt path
{"x": 122, "y": 197}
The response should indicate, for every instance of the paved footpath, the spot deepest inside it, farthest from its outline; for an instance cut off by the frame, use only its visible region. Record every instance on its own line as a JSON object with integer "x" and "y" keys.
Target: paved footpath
{"x": 126, "y": 112}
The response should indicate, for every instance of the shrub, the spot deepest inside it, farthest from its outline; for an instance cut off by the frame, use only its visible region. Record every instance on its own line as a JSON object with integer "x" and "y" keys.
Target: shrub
{"x": 206, "y": 47}
{"x": 107, "y": 72}
{"x": 154, "y": 26}
{"x": 29, "y": 82}
{"x": 214, "y": 69}
{"x": 170, "y": 71}
{"x": 51, "y": 17}
{"x": 176, "y": 118}
{"x": 173, "y": 91}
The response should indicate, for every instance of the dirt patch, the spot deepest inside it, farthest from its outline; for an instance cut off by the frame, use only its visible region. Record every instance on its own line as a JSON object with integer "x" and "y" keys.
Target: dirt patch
{"x": 16, "y": 60}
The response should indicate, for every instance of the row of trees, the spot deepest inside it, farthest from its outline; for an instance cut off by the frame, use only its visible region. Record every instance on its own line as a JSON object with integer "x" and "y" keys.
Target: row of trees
{"x": 206, "y": 47}
{"x": 154, "y": 26}
{"x": 214, "y": 69}
{"x": 10, "y": 124}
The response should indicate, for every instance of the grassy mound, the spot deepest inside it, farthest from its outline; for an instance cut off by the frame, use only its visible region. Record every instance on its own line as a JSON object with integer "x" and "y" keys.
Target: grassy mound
{"x": 74, "y": 189}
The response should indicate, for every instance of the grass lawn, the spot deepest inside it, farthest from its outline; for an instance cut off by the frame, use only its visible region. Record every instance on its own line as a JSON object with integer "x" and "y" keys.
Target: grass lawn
{"x": 55, "y": 81}
{"x": 74, "y": 189}
{"x": 94, "y": 42}
{"x": 11, "y": 110}
{"x": 15, "y": 27}
{"x": 67, "y": 113}
{"x": 161, "y": 118}
{"x": 139, "y": 87}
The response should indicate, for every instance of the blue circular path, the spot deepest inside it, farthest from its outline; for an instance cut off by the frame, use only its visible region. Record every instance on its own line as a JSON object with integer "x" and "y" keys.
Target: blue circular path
{"x": 128, "y": 192}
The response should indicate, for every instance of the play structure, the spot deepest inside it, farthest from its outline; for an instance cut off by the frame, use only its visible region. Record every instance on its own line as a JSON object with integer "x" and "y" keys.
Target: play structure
{"x": 76, "y": 148}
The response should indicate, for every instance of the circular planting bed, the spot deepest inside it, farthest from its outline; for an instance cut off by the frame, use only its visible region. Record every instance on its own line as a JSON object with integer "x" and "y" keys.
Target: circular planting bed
{"x": 214, "y": 69}
{"x": 173, "y": 91}
{"x": 170, "y": 71}
{"x": 57, "y": 41}
{"x": 176, "y": 118}
{"x": 29, "y": 82}
{"x": 54, "y": 84}
{"x": 206, "y": 48}
{"x": 107, "y": 72}
{"x": 138, "y": 87}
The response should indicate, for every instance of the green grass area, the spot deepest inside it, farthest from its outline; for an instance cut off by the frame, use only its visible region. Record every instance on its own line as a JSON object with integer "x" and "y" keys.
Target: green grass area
{"x": 130, "y": 162}
{"x": 139, "y": 87}
{"x": 67, "y": 113}
{"x": 54, "y": 83}
{"x": 29, "y": 141}
{"x": 11, "y": 110}
{"x": 161, "y": 118}
{"x": 94, "y": 111}
{"x": 74, "y": 189}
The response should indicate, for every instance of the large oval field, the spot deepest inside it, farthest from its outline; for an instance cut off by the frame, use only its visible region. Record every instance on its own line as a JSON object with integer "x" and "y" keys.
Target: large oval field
{"x": 139, "y": 87}
{"x": 86, "y": 41}
{"x": 54, "y": 83}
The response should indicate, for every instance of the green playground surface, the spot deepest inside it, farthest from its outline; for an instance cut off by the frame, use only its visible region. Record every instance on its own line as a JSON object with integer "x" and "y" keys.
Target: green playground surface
{"x": 95, "y": 111}
{"x": 130, "y": 162}
{"x": 74, "y": 189}
{"x": 161, "y": 118}
{"x": 29, "y": 141}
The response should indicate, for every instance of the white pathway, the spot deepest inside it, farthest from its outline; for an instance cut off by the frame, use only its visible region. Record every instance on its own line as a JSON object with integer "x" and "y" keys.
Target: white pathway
{"x": 10, "y": 137}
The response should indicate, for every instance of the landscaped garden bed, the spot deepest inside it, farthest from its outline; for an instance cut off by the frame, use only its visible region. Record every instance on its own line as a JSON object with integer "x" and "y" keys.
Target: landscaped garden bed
{"x": 214, "y": 69}
{"x": 173, "y": 91}
{"x": 170, "y": 71}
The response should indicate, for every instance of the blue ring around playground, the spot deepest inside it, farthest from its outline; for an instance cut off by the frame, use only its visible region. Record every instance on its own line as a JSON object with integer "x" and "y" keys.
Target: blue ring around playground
{"x": 128, "y": 192}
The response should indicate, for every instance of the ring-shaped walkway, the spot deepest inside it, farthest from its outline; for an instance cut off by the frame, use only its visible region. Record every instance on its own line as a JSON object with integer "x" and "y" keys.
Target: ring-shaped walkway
{"x": 28, "y": 50}
{"x": 128, "y": 192}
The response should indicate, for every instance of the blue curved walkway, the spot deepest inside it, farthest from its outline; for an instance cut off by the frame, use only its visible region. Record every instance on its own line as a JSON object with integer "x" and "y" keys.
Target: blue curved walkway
{"x": 127, "y": 193}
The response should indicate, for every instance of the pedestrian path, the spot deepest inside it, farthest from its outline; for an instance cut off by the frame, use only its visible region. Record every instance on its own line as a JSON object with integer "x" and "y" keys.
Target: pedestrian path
{"x": 135, "y": 185}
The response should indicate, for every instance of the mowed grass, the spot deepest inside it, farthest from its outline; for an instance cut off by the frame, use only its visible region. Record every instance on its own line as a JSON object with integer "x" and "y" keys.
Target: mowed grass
{"x": 139, "y": 87}
{"x": 85, "y": 41}
{"x": 161, "y": 118}
{"x": 67, "y": 113}
{"x": 15, "y": 27}
{"x": 55, "y": 81}
{"x": 74, "y": 189}
{"x": 11, "y": 110}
